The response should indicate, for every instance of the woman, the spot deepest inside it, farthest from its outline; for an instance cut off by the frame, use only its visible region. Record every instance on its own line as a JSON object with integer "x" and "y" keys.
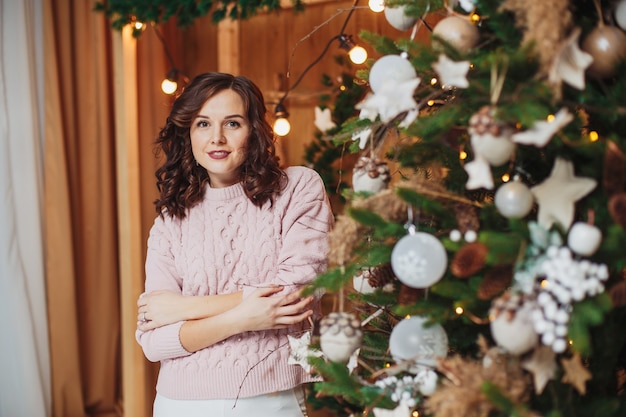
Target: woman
{"x": 235, "y": 240}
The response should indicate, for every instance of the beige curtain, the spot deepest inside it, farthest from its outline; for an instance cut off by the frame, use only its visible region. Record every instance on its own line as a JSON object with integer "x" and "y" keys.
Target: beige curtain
{"x": 80, "y": 214}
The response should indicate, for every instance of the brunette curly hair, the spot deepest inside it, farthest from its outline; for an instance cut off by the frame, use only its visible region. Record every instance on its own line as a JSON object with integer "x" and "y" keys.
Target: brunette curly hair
{"x": 181, "y": 182}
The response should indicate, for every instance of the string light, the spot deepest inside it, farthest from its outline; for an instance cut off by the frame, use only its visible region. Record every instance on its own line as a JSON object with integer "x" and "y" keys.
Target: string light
{"x": 281, "y": 124}
{"x": 169, "y": 85}
{"x": 593, "y": 136}
{"x": 358, "y": 55}
{"x": 506, "y": 177}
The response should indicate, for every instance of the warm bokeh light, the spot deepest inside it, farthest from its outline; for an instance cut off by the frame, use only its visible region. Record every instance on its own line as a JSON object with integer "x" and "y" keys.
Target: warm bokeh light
{"x": 593, "y": 136}
{"x": 376, "y": 6}
{"x": 282, "y": 126}
{"x": 358, "y": 54}
{"x": 506, "y": 177}
{"x": 169, "y": 86}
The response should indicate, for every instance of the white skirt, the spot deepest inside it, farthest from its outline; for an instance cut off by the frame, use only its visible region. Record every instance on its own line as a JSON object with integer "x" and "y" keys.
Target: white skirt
{"x": 289, "y": 403}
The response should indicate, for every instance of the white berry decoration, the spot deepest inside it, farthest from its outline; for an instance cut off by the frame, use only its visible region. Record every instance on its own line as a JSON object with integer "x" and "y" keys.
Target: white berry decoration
{"x": 584, "y": 239}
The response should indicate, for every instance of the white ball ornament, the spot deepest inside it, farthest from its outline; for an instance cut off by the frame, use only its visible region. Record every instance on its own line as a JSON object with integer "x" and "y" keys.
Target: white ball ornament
{"x": 514, "y": 199}
{"x": 340, "y": 336}
{"x": 584, "y": 239}
{"x": 390, "y": 68}
{"x": 419, "y": 260}
{"x": 398, "y": 19}
{"x": 458, "y": 32}
{"x": 412, "y": 339}
{"x": 620, "y": 14}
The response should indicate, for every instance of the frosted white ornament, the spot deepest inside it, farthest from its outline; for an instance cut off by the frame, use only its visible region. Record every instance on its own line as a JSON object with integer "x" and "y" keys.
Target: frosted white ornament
{"x": 515, "y": 333}
{"x": 458, "y": 32}
{"x": 584, "y": 239}
{"x": 497, "y": 150}
{"x": 411, "y": 340}
{"x": 398, "y": 19}
{"x": 620, "y": 14}
{"x": 340, "y": 336}
{"x": 419, "y": 260}
{"x": 370, "y": 175}
{"x": 390, "y": 68}
{"x": 514, "y": 199}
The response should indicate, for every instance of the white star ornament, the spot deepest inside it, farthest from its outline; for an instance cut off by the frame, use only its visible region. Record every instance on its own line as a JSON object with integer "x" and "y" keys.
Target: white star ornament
{"x": 556, "y": 195}
{"x": 479, "y": 174}
{"x": 392, "y": 98}
{"x": 299, "y": 351}
{"x": 542, "y": 131}
{"x": 570, "y": 63}
{"x": 362, "y": 136}
{"x": 542, "y": 365}
{"x": 451, "y": 73}
{"x": 323, "y": 119}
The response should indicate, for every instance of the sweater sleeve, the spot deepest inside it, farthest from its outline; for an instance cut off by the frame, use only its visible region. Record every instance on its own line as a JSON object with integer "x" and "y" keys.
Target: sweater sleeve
{"x": 163, "y": 342}
{"x": 306, "y": 222}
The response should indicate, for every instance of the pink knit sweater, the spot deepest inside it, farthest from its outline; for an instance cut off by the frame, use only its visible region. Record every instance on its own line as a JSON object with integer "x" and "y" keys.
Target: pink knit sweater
{"x": 226, "y": 244}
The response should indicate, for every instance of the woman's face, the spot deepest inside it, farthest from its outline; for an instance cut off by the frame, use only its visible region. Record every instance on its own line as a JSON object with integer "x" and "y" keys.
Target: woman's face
{"x": 218, "y": 137}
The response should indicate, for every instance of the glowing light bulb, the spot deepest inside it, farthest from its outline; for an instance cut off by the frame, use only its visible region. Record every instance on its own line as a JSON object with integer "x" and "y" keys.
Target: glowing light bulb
{"x": 458, "y": 310}
{"x": 358, "y": 54}
{"x": 462, "y": 155}
{"x": 282, "y": 126}
{"x": 506, "y": 177}
{"x": 139, "y": 25}
{"x": 169, "y": 86}
{"x": 593, "y": 136}
{"x": 376, "y": 6}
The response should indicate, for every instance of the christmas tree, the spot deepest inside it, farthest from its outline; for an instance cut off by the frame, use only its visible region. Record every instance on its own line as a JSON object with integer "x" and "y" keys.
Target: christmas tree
{"x": 479, "y": 265}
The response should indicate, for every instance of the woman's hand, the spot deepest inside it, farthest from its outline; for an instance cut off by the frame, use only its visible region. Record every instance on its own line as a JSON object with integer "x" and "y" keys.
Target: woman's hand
{"x": 162, "y": 307}
{"x": 261, "y": 311}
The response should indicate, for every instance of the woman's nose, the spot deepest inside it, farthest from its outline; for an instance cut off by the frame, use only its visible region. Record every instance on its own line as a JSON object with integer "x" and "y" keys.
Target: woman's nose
{"x": 218, "y": 136}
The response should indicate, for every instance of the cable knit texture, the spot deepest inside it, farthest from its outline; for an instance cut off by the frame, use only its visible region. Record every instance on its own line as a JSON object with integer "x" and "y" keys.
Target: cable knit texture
{"x": 226, "y": 244}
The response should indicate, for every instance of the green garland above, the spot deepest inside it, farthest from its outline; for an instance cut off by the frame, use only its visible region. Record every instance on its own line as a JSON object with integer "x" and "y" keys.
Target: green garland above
{"x": 123, "y": 12}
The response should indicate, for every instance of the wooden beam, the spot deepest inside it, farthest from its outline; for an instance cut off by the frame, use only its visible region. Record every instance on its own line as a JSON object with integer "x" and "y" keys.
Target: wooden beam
{"x": 129, "y": 218}
{"x": 228, "y": 46}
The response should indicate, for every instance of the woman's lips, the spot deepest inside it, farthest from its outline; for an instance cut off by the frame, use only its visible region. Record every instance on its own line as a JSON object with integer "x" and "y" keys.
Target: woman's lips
{"x": 218, "y": 154}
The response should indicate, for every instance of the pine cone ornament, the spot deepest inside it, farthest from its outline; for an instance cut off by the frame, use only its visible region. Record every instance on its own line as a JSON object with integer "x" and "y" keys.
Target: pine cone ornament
{"x": 617, "y": 208}
{"x": 469, "y": 260}
{"x": 496, "y": 280}
{"x": 408, "y": 295}
{"x": 340, "y": 336}
{"x": 379, "y": 276}
{"x": 466, "y": 217}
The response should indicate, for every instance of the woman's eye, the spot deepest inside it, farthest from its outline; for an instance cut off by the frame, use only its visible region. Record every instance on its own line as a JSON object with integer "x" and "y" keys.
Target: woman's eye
{"x": 233, "y": 123}
{"x": 202, "y": 123}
